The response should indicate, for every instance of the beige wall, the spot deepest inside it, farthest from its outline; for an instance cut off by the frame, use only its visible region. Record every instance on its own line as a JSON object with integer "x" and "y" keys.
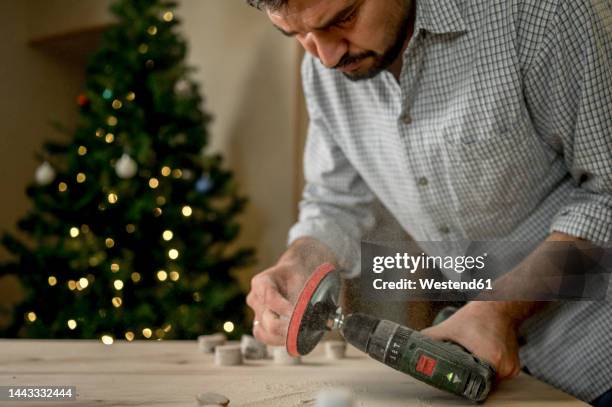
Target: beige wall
{"x": 247, "y": 72}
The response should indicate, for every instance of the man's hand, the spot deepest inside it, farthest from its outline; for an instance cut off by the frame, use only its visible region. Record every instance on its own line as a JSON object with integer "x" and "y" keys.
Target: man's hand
{"x": 487, "y": 331}
{"x": 269, "y": 298}
{"x": 274, "y": 291}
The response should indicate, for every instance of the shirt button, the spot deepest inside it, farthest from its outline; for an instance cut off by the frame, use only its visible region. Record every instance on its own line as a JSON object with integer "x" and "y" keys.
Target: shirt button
{"x": 445, "y": 230}
{"x": 422, "y": 181}
{"x": 406, "y": 118}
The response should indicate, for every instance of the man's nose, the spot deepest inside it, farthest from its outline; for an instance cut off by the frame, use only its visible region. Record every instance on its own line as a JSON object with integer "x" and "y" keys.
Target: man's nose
{"x": 329, "y": 48}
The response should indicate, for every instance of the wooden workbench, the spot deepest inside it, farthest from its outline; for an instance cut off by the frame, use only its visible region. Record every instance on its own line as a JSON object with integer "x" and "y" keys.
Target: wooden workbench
{"x": 171, "y": 373}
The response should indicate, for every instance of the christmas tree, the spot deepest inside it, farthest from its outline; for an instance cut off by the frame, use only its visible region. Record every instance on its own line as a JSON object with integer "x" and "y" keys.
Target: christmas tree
{"x": 132, "y": 228}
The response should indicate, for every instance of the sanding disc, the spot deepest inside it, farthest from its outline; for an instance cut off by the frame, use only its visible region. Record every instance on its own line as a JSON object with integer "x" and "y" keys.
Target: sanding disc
{"x": 317, "y": 302}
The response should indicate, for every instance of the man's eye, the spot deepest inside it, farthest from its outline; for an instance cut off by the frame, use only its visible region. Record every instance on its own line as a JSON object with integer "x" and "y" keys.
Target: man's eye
{"x": 348, "y": 18}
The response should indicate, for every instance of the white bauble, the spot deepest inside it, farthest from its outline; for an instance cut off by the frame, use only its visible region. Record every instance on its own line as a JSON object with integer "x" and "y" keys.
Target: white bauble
{"x": 45, "y": 174}
{"x": 126, "y": 167}
{"x": 182, "y": 87}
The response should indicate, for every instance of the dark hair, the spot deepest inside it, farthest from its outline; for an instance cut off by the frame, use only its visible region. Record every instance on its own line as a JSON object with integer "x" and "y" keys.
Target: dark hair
{"x": 273, "y": 5}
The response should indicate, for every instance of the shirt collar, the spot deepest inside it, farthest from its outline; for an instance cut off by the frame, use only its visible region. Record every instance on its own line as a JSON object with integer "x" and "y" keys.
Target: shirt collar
{"x": 439, "y": 16}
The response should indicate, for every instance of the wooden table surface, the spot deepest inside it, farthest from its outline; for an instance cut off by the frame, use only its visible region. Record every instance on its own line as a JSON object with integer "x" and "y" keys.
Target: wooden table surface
{"x": 172, "y": 373}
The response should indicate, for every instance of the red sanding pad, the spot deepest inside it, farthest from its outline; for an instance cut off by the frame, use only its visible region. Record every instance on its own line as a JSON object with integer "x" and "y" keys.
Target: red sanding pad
{"x": 302, "y": 304}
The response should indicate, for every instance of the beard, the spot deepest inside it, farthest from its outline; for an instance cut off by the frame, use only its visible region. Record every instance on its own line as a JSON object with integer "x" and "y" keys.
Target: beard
{"x": 381, "y": 60}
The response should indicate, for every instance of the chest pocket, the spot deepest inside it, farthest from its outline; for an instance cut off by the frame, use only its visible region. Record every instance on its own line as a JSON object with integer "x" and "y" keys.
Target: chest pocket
{"x": 495, "y": 180}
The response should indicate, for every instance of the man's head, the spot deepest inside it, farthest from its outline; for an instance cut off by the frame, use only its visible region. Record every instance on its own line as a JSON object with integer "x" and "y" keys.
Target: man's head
{"x": 358, "y": 37}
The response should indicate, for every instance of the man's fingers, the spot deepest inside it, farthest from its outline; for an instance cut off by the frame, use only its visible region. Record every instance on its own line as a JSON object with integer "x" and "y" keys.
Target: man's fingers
{"x": 270, "y": 328}
{"x": 265, "y": 293}
{"x": 274, "y": 301}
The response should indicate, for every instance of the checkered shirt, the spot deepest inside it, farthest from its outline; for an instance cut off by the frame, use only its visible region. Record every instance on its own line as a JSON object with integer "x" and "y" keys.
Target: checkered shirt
{"x": 499, "y": 128}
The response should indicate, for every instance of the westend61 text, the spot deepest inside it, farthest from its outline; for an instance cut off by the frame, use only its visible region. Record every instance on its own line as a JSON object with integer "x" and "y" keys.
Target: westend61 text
{"x": 432, "y": 284}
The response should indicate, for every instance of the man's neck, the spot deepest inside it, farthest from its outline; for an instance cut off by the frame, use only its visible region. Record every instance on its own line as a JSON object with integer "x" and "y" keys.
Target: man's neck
{"x": 396, "y": 67}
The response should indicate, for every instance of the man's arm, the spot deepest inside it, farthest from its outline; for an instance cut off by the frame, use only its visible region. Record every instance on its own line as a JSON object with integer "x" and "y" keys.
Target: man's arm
{"x": 335, "y": 212}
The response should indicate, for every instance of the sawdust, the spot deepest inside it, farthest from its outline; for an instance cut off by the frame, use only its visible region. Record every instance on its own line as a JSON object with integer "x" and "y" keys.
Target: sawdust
{"x": 291, "y": 395}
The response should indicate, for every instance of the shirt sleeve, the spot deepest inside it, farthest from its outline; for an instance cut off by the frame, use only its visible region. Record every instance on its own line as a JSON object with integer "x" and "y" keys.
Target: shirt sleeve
{"x": 337, "y": 205}
{"x": 568, "y": 88}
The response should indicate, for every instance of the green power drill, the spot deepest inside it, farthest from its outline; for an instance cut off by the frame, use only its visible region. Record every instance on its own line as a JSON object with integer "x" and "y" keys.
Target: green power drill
{"x": 444, "y": 365}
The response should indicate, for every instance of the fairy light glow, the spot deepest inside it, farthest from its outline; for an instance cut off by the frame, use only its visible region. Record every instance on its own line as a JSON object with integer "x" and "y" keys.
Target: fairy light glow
{"x": 173, "y": 254}
{"x": 74, "y": 232}
{"x": 107, "y": 340}
{"x": 228, "y": 326}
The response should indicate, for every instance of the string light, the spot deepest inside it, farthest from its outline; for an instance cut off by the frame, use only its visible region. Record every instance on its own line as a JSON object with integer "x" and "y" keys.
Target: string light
{"x": 130, "y": 228}
{"x": 228, "y": 326}
{"x": 109, "y": 138}
{"x": 135, "y": 277}
{"x": 160, "y": 333}
{"x": 129, "y": 335}
{"x": 84, "y": 228}
{"x": 82, "y": 150}
{"x": 99, "y": 132}
{"x": 167, "y": 328}
{"x": 162, "y": 275}
{"x": 130, "y": 96}
{"x": 117, "y": 302}
{"x": 107, "y": 340}
{"x": 143, "y": 48}
{"x": 153, "y": 183}
{"x": 118, "y": 284}
{"x": 111, "y": 121}
{"x": 52, "y": 281}
{"x": 160, "y": 200}
{"x": 83, "y": 282}
{"x": 157, "y": 212}
{"x": 177, "y": 173}
{"x": 187, "y": 211}
{"x": 109, "y": 242}
{"x": 197, "y": 297}
{"x": 72, "y": 324}
{"x": 173, "y": 254}
{"x": 165, "y": 171}
{"x": 80, "y": 178}
{"x": 147, "y": 333}
{"x": 152, "y": 30}
{"x": 149, "y": 63}
{"x": 168, "y": 16}
{"x": 167, "y": 235}
{"x": 62, "y": 187}
{"x": 174, "y": 275}
{"x": 114, "y": 267}
{"x": 31, "y": 316}
{"x": 112, "y": 198}
{"x": 72, "y": 285}
{"x": 117, "y": 104}
{"x": 74, "y": 232}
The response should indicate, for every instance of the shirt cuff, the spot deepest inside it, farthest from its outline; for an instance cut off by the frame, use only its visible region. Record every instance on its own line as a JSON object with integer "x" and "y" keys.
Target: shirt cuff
{"x": 585, "y": 220}
{"x": 345, "y": 247}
